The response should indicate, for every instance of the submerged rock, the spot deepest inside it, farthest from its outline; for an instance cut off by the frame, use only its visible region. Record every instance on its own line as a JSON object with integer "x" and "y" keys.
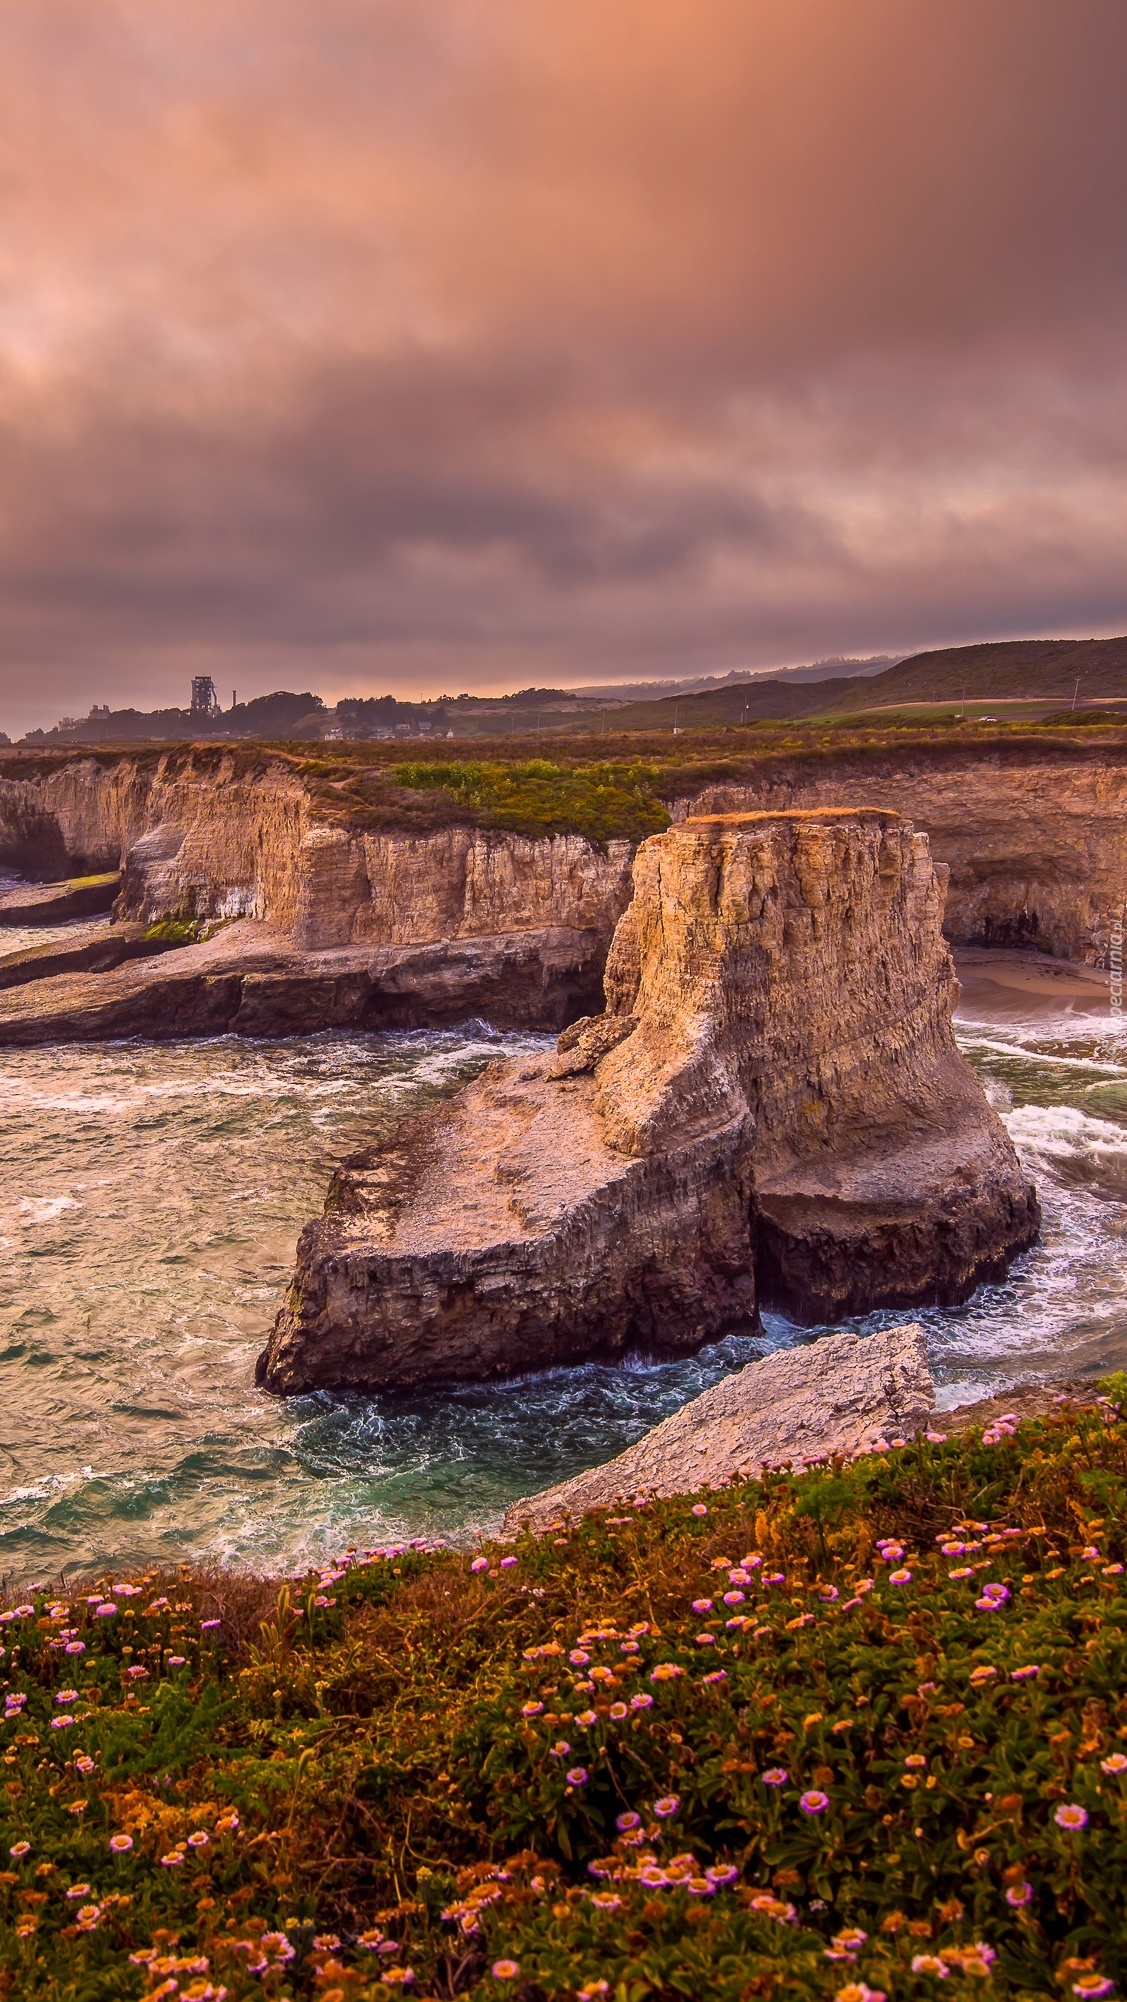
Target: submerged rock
{"x": 773, "y": 1104}
{"x": 841, "y": 1395}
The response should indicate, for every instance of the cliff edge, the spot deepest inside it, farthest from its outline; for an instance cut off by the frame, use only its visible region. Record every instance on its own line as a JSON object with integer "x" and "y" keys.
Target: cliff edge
{"x": 771, "y": 1109}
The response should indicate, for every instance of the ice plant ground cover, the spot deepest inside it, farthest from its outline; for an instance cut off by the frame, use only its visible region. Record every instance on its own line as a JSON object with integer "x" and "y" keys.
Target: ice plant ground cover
{"x": 852, "y": 1732}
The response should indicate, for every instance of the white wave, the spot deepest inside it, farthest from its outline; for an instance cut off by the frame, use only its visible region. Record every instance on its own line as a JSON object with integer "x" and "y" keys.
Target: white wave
{"x": 997, "y": 1046}
{"x": 1063, "y": 1131}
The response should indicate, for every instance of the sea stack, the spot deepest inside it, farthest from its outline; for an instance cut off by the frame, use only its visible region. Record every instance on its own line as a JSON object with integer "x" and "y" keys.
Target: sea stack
{"x": 771, "y": 1111}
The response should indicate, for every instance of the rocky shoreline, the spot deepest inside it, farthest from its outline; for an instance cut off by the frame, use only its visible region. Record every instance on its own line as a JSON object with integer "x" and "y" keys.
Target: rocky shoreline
{"x": 842, "y": 1396}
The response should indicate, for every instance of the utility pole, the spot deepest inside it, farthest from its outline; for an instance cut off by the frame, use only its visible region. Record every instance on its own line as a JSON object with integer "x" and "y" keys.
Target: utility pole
{"x": 1076, "y": 690}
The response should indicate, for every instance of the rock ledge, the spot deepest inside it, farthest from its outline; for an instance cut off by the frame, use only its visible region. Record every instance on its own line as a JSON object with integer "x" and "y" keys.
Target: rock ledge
{"x": 843, "y": 1394}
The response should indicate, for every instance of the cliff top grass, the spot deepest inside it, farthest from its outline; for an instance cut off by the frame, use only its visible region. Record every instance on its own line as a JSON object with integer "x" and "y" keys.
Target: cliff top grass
{"x": 604, "y": 786}
{"x": 855, "y": 1731}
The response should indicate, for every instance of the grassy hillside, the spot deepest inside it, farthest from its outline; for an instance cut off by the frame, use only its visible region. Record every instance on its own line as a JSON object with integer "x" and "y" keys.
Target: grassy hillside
{"x": 860, "y": 1731}
{"x": 1014, "y": 669}
{"x": 1010, "y": 670}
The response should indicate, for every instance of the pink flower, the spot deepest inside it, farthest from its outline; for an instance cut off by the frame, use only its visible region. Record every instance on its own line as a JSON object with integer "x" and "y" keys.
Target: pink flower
{"x": 1027, "y": 1673}
{"x": 699, "y": 1508}
{"x": 706, "y": 1640}
{"x": 776, "y": 1776}
{"x": 578, "y": 1658}
{"x": 1018, "y": 1895}
{"x": 734, "y": 1598}
{"x": 61, "y": 1723}
{"x": 106, "y": 1610}
{"x": 717, "y": 1675}
{"x": 508, "y": 1562}
{"x": 576, "y": 1776}
{"x": 930, "y": 1963}
{"x": 207, "y": 1626}
{"x": 199, "y": 1840}
{"x": 480, "y": 1564}
{"x": 814, "y": 1802}
{"x": 531, "y": 1709}
{"x": 667, "y": 1806}
{"x": 702, "y": 1605}
{"x": 899, "y": 1577}
{"x": 75, "y": 1647}
{"x": 560, "y": 1749}
{"x": 619, "y": 1710}
{"x": 625, "y": 1822}
{"x": 67, "y": 1696}
{"x": 721, "y": 1874}
{"x": 505, "y": 1970}
{"x": 1070, "y": 1816}
{"x": 120, "y": 1844}
{"x": 666, "y": 1671}
{"x": 641, "y": 1701}
{"x": 173, "y": 1860}
{"x": 1114, "y": 1763}
{"x": 1092, "y": 1984}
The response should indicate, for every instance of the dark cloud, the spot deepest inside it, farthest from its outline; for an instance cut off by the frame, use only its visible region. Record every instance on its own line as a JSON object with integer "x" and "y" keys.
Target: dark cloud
{"x": 410, "y": 343}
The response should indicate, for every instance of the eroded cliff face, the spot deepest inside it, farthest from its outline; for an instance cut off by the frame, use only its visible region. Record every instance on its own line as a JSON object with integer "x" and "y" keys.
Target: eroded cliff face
{"x": 460, "y": 882}
{"x": 203, "y": 838}
{"x": 1036, "y": 844}
{"x": 772, "y": 1099}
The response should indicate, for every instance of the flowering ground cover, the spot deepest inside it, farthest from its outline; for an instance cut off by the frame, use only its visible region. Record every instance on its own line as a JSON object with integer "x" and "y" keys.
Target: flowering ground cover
{"x": 845, "y": 1733}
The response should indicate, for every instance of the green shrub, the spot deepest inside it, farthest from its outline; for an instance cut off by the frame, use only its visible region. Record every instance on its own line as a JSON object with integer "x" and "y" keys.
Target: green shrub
{"x": 175, "y": 931}
{"x": 887, "y": 1755}
{"x": 604, "y": 802}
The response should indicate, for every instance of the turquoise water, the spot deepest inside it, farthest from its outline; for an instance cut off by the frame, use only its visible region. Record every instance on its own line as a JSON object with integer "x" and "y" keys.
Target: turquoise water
{"x": 150, "y": 1198}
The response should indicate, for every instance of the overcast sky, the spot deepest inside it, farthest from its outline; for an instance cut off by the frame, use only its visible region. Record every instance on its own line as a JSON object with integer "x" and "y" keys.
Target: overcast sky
{"x": 441, "y": 344}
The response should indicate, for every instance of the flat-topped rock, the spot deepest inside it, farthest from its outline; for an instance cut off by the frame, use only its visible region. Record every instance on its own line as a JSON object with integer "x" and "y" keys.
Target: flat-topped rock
{"x": 843, "y": 1394}
{"x": 772, "y": 1105}
{"x": 249, "y": 980}
{"x": 57, "y": 903}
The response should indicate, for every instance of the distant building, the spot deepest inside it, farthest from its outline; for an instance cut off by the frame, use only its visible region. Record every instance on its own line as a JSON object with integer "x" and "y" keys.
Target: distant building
{"x": 205, "y": 701}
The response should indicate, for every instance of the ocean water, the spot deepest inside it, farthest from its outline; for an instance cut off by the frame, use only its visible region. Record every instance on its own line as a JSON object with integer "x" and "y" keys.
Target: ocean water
{"x": 150, "y": 1199}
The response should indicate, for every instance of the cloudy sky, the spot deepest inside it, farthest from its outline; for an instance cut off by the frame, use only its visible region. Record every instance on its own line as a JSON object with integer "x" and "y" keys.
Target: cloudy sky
{"x": 440, "y": 344}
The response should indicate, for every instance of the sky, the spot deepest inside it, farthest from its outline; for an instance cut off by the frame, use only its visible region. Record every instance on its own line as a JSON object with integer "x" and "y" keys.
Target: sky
{"x": 427, "y": 345}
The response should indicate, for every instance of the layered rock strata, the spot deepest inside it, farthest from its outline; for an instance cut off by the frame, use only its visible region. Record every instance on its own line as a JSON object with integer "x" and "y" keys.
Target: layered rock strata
{"x": 842, "y": 1395}
{"x": 772, "y": 1104}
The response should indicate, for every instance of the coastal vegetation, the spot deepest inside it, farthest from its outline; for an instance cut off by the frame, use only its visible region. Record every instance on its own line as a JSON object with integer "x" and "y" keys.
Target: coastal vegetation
{"x": 854, "y": 1731}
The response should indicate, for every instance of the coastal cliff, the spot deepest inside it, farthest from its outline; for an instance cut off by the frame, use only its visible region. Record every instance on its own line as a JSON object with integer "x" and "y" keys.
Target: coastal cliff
{"x": 772, "y": 1107}
{"x": 1034, "y": 838}
{"x": 214, "y": 836}
{"x": 1033, "y": 833}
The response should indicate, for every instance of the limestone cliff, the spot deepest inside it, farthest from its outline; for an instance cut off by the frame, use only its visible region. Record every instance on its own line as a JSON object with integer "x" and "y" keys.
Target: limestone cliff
{"x": 773, "y": 1096}
{"x": 208, "y": 837}
{"x": 1034, "y": 835}
{"x": 1035, "y": 839}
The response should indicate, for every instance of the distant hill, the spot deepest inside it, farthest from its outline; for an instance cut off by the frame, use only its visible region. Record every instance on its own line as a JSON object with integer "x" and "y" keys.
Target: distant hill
{"x": 992, "y": 671}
